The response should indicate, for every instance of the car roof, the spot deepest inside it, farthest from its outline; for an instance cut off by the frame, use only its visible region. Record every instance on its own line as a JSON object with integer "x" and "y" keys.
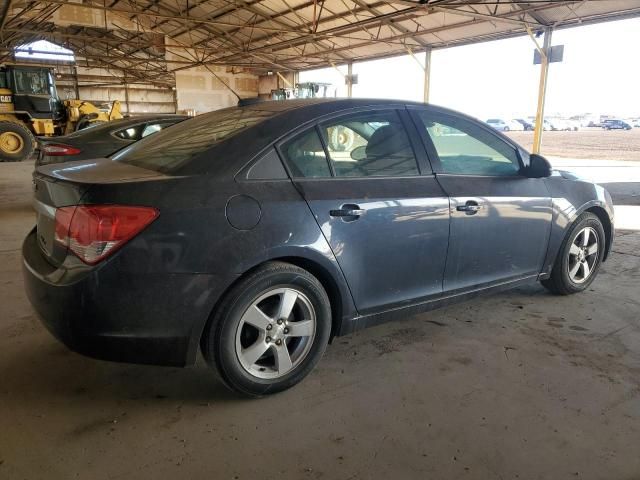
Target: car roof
{"x": 305, "y": 103}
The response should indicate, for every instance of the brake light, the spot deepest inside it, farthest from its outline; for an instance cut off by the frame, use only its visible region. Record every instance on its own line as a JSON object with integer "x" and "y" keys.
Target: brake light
{"x": 93, "y": 232}
{"x": 58, "y": 150}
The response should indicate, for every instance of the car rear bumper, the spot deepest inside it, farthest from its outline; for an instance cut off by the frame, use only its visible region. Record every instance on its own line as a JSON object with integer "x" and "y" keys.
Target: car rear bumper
{"x": 150, "y": 318}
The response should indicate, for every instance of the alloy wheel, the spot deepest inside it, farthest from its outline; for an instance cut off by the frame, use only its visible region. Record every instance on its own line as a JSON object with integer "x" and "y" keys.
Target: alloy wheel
{"x": 583, "y": 255}
{"x": 275, "y": 333}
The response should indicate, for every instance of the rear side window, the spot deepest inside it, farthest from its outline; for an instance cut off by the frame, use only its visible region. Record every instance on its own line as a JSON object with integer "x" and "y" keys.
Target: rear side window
{"x": 465, "y": 148}
{"x": 369, "y": 144}
{"x": 305, "y": 156}
{"x": 168, "y": 150}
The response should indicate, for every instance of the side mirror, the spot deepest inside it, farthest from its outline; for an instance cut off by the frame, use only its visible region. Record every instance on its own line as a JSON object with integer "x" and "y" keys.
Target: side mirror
{"x": 539, "y": 167}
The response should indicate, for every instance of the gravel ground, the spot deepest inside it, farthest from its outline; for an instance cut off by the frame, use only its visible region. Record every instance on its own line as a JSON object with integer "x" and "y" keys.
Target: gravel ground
{"x": 521, "y": 385}
{"x": 592, "y": 143}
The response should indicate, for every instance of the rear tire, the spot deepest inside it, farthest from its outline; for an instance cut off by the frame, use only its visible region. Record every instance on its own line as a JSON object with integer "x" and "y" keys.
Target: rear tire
{"x": 269, "y": 331}
{"x": 579, "y": 258}
{"x": 17, "y": 143}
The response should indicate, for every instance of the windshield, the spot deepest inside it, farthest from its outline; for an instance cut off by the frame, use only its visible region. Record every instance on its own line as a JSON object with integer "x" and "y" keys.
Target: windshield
{"x": 169, "y": 150}
{"x": 32, "y": 82}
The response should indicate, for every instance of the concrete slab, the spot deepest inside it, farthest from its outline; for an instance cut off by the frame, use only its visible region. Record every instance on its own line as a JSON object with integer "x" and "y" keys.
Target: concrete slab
{"x": 519, "y": 385}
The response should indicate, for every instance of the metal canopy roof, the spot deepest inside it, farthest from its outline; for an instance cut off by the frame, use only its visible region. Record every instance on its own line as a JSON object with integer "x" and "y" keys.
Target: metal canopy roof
{"x": 134, "y": 36}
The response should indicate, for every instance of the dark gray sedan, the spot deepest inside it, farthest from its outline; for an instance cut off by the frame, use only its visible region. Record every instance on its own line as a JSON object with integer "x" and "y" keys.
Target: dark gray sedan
{"x": 258, "y": 233}
{"x": 102, "y": 140}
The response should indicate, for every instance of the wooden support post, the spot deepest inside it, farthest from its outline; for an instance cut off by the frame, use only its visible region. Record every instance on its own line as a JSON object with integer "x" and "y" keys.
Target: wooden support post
{"x": 427, "y": 75}
{"x": 542, "y": 89}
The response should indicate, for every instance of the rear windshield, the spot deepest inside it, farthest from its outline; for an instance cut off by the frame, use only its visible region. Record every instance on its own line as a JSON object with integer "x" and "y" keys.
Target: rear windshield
{"x": 168, "y": 150}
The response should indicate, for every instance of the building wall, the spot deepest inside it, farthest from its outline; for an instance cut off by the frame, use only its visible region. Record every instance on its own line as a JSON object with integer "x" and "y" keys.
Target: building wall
{"x": 101, "y": 86}
{"x": 204, "y": 88}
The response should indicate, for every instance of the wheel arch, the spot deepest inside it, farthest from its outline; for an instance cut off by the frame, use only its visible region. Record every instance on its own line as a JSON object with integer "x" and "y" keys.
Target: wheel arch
{"x": 602, "y": 215}
{"x": 330, "y": 278}
{"x": 328, "y": 282}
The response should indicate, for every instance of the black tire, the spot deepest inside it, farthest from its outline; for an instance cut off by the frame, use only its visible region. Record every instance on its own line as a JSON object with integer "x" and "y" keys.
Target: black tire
{"x": 17, "y": 143}
{"x": 560, "y": 281}
{"x": 220, "y": 336}
{"x": 506, "y": 129}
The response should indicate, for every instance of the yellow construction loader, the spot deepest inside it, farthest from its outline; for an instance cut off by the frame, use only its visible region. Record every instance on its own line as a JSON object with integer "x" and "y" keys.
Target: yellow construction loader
{"x": 29, "y": 106}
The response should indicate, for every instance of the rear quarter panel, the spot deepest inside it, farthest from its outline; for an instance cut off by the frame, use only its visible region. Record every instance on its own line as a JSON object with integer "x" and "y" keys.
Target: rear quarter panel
{"x": 193, "y": 236}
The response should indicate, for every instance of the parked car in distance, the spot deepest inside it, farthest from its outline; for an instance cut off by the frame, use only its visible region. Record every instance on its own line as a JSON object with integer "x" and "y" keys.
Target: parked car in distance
{"x": 635, "y": 122}
{"x": 103, "y": 139}
{"x": 574, "y": 125}
{"x": 615, "y": 124}
{"x": 526, "y": 124}
{"x": 504, "y": 125}
{"x": 245, "y": 234}
{"x": 559, "y": 124}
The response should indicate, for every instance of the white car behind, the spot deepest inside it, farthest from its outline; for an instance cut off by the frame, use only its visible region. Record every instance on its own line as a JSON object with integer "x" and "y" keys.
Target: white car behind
{"x": 504, "y": 125}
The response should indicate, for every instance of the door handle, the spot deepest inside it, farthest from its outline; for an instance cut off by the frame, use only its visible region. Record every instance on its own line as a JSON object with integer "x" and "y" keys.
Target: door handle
{"x": 471, "y": 207}
{"x": 348, "y": 210}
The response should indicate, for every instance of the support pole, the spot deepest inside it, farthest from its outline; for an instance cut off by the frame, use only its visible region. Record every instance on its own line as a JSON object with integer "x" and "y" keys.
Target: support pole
{"x": 76, "y": 86}
{"x": 427, "y": 75}
{"x": 284, "y": 79}
{"x": 126, "y": 98}
{"x": 542, "y": 89}
{"x": 175, "y": 99}
{"x": 426, "y": 69}
{"x": 349, "y": 79}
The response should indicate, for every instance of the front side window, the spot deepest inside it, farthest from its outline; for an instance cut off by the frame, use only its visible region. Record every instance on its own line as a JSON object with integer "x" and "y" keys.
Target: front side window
{"x": 130, "y": 133}
{"x": 465, "y": 148}
{"x": 152, "y": 128}
{"x": 369, "y": 144}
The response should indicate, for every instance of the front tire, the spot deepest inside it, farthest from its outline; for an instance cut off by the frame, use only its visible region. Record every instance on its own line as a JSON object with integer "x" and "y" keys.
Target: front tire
{"x": 580, "y": 256}
{"x": 16, "y": 142}
{"x": 269, "y": 331}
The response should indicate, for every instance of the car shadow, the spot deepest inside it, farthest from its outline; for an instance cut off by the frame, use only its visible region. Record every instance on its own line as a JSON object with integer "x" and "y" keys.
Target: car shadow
{"x": 52, "y": 372}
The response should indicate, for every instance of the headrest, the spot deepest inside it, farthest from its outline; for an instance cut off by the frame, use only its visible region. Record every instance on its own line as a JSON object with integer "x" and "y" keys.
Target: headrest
{"x": 387, "y": 140}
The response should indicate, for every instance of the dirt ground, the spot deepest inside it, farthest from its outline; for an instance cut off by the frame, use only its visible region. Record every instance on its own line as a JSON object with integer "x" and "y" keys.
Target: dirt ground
{"x": 591, "y": 143}
{"x": 522, "y": 385}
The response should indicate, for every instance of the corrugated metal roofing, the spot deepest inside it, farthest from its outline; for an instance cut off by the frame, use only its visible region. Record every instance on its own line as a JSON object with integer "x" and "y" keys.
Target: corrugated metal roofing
{"x": 278, "y": 34}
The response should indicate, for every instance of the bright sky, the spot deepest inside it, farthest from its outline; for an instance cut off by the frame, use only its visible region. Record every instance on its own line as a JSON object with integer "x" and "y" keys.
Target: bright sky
{"x": 59, "y": 53}
{"x": 600, "y": 74}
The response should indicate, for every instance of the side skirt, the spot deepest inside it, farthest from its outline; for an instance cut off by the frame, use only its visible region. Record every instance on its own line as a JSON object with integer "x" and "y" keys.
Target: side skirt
{"x": 358, "y": 323}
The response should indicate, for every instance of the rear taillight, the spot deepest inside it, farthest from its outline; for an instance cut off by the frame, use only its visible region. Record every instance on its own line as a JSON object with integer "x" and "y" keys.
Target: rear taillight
{"x": 58, "y": 150}
{"x": 93, "y": 232}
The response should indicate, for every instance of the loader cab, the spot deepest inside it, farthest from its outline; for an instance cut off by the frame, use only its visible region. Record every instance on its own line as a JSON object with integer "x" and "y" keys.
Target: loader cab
{"x": 33, "y": 90}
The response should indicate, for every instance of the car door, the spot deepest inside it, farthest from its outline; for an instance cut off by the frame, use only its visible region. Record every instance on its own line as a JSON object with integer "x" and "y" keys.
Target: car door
{"x": 377, "y": 204}
{"x": 500, "y": 219}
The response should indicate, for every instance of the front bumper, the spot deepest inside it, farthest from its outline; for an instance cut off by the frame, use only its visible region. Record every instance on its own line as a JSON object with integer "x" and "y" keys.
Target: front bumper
{"x": 111, "y": 313}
